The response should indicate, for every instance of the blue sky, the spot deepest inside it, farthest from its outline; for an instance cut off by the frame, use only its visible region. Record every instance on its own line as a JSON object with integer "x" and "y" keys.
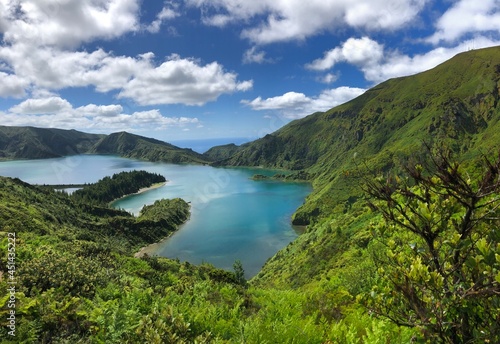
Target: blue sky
{"x": 197, "y": 69}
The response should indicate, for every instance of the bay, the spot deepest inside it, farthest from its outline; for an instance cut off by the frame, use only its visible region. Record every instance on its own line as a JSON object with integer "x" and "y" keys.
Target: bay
{"x": 232, "y": 217}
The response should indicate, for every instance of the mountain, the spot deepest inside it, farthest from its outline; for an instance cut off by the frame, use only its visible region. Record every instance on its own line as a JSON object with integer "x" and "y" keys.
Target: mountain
{"x": 44, "y": 143}
{"x": 223, "y": 152}
{"x": 138, "y": 147}
{"x": 455, "y": 105}
{"x": 352, "y": 276}
{"x": 40, "y": 143}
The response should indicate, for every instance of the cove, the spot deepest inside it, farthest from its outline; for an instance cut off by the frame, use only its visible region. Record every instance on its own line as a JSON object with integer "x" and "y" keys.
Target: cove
{"x": 232, "y": 216}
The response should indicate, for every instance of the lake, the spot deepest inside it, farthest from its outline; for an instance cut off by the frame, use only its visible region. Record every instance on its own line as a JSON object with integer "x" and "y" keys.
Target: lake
{"x": 232, "y": 216}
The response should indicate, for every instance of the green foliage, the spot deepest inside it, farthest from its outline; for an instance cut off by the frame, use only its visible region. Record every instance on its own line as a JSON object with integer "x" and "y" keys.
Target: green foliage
{"x": 439, "y": 265}
{"x": 81, "y": 284}
{"x": 174, "y": 211}
{"x": 70, "y": 274}
{"x": 43, "y": 143}
{"x": 138, "y": 147}
{"x": 119, "y": 185}
{"x": 239, "y": 273}
{"x": 223, "y": 152}
{"x": 455, "y": 104}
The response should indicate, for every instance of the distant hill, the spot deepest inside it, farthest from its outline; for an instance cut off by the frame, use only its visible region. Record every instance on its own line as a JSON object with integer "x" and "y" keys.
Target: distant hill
{"x": 222, "y": 152}
{"x": 455, "y": 105}
{"x": 350, "y": 277}
{"x": 43, "y": 143}
{"x": 139, "y": 147}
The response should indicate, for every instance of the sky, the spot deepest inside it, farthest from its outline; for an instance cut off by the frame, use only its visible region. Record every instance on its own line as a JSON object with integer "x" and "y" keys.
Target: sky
{"x": 200, "y": 69}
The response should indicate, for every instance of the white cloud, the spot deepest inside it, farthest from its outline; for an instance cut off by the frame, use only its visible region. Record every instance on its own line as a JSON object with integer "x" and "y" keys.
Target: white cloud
{"x": 297, "y": 105}
{"x": 381, "y": 65}
{"x": 465, "y": 17}
{"x": 328, "y": 78}
{"x": 67, "y": 23}
{"x": 92, "y": 110}
{"x": 253, "y": 55}
{"x": 56, "y": 112}
{"x": 35, "y": 55}
{"x": 165, "y": 14}
{"x": 182, "y": 81}
{"x": 298, "y": 19}
{"x": 176, "y": 81}
{"x": 12, "y": 86}
{"x": 42, "y": 106}
{"x": 363, "y": 51}
{"x": 288, "y": 100}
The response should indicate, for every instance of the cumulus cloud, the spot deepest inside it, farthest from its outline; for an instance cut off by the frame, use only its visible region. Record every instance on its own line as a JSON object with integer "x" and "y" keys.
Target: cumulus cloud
{"x": 328, "y": 78}
{"x": 297, "y": 105}
{"x": 254, "y": 55}
{"x": 58, "y": 112}
{"x": 176, "y": 81}
{"x": 42, "y": 106}
{"x": 67, "y": 23}
{"x": 182, "y": 81}
{"x": 36, "y": 55}
{"x": 165, "y": 14}
{"x": 12, "y": 86}
{"x": 298, "y": 19}
{"x": 466, "y": 17}
{"x": 378, "y": 65}
{"x": 360, "y": 52}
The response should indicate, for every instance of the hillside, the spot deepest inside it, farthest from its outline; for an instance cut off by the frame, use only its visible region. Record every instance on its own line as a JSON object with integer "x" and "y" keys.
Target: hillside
{"x": 223, "y": 152}
{"x": 138, "y": 147}
{"x": 455, "y": 104}
{"x": 55, "y": 241}
{"x": 401, "y": 244}
{"x": 43, "y": 143}
{"x": 40, "y": 143}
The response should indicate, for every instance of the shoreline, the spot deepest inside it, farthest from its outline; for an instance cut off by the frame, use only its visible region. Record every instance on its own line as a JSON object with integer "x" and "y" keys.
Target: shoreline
{"x": 142, "y": 190}
{"x": 152, "y": 247}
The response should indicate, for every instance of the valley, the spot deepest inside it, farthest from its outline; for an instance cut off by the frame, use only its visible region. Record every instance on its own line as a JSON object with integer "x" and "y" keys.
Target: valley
{"x": 401, "y": 242}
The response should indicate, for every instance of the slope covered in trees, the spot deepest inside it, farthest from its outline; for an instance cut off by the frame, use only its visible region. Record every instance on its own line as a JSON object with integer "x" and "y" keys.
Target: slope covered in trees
{"x": 116, "y": 186}
{"x": 402, "y": 242}
{"x": 40, "y": 143}
{"x": 455, "y": 104}
{"x": 43, "y": 143}
{"x": 138, "y": 147}
{"x": 76, "y": 279}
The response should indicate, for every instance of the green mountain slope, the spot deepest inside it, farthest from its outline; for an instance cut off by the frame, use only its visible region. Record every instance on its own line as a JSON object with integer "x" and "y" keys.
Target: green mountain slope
{"x": 40, "y": 143}
{"x": 455, "y": 104}
{"x": 314, "y": 290}
{"x": 74, "y": 275}
{"x": 223, "y": 152}
{"x": 139, "y": 147}
{"x": 43, "y": 143}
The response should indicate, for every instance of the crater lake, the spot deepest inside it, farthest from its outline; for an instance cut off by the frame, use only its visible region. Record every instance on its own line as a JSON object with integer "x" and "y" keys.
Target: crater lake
{"x": 232, "y": 216}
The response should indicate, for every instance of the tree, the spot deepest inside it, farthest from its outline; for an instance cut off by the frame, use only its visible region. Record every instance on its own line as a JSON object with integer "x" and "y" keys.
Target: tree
{"x": 239, "y": 273}
{"x": 440, "y": 263}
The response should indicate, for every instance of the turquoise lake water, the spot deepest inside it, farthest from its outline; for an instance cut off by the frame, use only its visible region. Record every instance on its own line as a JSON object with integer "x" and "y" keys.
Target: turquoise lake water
{"x": 232, "y": 216}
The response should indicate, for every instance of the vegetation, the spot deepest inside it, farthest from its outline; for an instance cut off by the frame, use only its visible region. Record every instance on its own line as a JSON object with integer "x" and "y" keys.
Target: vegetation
{"x": 221, "y": 152}
{"x": 43, "y": 143}
{"x": 174, "y": 211}
{"x": 455, "y": 104}
{"x": 138, "y": 147}
{"x": 117, "y": 186}
{"x": 440, "y": 267}
{"x": 412, "y": 256}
